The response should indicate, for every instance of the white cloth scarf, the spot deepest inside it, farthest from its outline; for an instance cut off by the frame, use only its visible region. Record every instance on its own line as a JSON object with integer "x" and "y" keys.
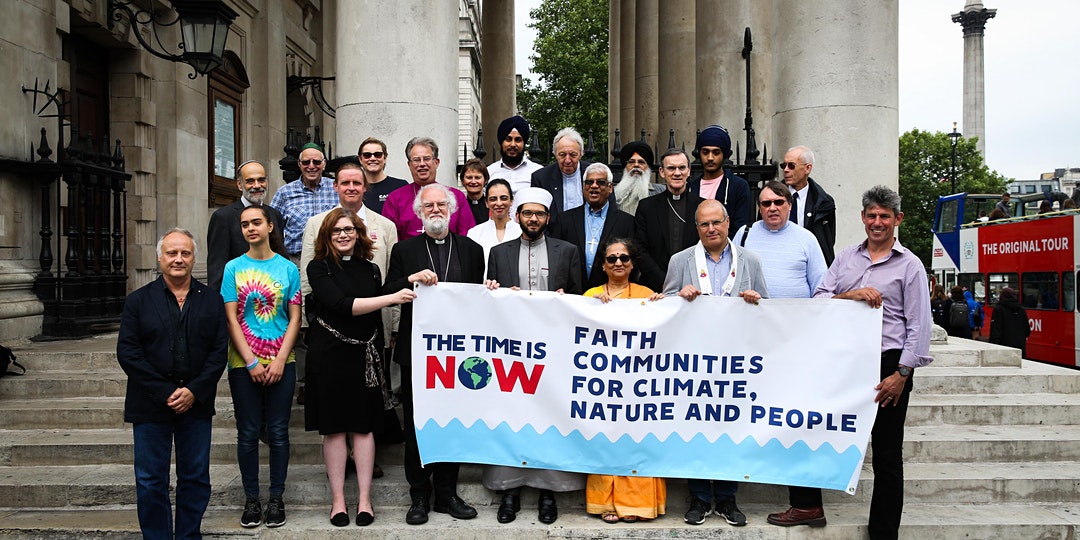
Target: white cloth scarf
{"x": 704, "y": 281}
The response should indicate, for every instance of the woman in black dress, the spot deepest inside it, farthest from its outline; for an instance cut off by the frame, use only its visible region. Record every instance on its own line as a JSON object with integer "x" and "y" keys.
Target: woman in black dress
{"x": 346, "y": 391}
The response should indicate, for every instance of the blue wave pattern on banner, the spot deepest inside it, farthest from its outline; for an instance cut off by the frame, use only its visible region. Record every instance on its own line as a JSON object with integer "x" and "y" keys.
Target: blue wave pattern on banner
{"x": 765, "y": 464}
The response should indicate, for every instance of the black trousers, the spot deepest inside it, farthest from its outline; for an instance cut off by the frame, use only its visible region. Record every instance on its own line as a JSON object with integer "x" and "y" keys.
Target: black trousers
{"x": 443, "y": 477}
{"x": 887, "y": 442}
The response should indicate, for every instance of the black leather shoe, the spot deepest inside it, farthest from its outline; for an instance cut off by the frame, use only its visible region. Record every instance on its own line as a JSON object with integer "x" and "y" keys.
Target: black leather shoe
{"x": 509, "y": 508}
{"x": 455, "y": 507}
{"x": 417, "y": 514}
{"x": 363, "y": 519}
{"x": 339, "y": 519}
{"x": 548, "y": 511}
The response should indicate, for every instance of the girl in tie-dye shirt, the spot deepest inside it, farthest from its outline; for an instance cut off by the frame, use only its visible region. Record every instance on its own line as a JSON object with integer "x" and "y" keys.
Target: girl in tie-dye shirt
{"x": 262, "y": 302}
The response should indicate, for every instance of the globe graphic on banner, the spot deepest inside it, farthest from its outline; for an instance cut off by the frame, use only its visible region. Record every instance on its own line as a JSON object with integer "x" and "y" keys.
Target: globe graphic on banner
{"x": 474, "y": 373}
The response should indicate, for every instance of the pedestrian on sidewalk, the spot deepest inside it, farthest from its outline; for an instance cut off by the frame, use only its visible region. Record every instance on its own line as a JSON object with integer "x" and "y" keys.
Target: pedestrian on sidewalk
{"x": 261, "y": 290}
{"x": 1009, "y": 323}
{"x": 172, "y": 344}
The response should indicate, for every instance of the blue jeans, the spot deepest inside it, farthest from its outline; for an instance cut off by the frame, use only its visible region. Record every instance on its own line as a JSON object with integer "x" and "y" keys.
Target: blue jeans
{"x": 153, "y": 450}
{"x": 250, "y": 399}
{"x": 722, "y": 490}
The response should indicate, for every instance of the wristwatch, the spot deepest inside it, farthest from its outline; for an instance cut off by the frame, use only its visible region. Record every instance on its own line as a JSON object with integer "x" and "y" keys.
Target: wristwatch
{"x": 904, "y": 370}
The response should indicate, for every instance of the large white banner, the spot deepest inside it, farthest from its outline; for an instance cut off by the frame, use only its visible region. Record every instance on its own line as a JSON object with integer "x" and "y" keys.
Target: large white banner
{"x": 778, "y": 393}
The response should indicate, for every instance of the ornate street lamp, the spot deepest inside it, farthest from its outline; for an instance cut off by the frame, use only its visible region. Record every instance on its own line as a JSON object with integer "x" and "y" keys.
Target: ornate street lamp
{"x": 204, "y": 26}
{"x": 955, "y": 136}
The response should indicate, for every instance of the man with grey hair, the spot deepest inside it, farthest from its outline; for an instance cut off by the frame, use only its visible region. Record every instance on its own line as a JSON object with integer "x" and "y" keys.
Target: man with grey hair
{"x": 224, "y": 239}
{"x": 172, "y": 346}
{"x": 884, "y": 274}
{"x": 811, "y": 207}
{"x": 437, "y": 255}
{"x": 591, "y": 225}
{"x": 423, "y": 156}
{"x": 563, "y": 178}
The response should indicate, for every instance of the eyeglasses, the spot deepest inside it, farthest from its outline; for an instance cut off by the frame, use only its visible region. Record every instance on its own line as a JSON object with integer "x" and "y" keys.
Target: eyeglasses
{"x": 789, "y": 165}
{"x": 422, "y": 159}
{"x": 442, "y": 205}
{"x": 315, "y": 162}
{"x": 612, "y": 259}
{"x": 770, "y": 202}
{"x": 714, "y": 224}
{"x": 369, "y": 155}
{"x": 591, "y": 181}
{"x": 637, "y": 162}
{"x": 533, "y": 213}
{"x": 348, "y": 231}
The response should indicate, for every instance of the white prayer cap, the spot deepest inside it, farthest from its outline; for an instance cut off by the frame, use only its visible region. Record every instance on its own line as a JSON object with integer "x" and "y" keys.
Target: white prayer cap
{"x": 533, "y": 195}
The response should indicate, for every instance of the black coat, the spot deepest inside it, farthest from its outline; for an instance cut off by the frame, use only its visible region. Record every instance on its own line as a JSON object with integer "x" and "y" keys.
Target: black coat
{"x": 410, "y": 256}
{"x": 225, "y": 241}
{"x": 564, "y": 264}
{"x": 819, "y": 216}
{"x": 1009, "y": 325}
{"x": 144, "y": 350}
{"x": 571, "y": 228}
{"x": 652, "y": 233}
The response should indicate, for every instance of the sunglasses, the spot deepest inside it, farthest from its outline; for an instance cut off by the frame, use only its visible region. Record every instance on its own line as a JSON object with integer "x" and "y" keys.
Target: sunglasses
{"x": 789, "y": 165}
{"x": 590, "y": 181}
{"x": 369, "y": 155}
{"x": 306, "y": 162}
{"x": 770, "y": 202}
{"x": 612, "y": 259}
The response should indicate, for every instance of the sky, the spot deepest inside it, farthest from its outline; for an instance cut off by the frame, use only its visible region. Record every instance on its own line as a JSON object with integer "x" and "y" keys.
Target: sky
{"x": 1032, "y": 72}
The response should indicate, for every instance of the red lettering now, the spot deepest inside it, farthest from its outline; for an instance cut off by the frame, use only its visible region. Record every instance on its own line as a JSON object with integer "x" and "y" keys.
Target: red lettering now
{"x": 516, "y": 374}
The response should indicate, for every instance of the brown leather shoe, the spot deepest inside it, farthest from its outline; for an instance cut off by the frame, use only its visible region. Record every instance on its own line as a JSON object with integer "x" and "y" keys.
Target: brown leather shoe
{"x": 814, "y": 517}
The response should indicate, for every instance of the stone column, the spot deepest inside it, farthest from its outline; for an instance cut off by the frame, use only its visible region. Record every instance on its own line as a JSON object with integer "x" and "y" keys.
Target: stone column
{"x": 646, "y": 20}
{"x": 836, "y": 92}
{"x": 399, "y": 85}
{"x": 614, "y": 58}
{"x": 721, "y": 71}
{"x": 626, "y": 69}
{"x": 973, "y": 20}
{"x": 676, "y": 99}
{"x": 498, "y": 90}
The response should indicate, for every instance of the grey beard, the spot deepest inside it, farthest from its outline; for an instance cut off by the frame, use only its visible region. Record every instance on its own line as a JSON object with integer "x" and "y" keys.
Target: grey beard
{"x": 253, "y": 198}
{"x": 631, "y": 189}
{"x": 436, "y": 226}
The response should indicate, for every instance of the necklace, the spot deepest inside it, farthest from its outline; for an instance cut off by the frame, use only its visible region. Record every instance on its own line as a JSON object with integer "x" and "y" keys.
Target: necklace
{"x": 673, "y": 211}
{"x": 619, "y": 292}
{"x": 434, "y": 267}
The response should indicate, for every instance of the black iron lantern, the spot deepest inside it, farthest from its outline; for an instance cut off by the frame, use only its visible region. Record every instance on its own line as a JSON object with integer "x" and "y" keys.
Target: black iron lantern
{"x": 204, "y": 27}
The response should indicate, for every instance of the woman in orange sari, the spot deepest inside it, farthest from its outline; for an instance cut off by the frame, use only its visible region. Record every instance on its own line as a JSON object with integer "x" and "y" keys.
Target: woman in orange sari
{"x": 623, "y": 498}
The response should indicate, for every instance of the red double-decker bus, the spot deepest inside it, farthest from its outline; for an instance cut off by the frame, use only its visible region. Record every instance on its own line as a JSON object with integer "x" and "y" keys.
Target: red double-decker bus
{"x": 1034, "y": 254}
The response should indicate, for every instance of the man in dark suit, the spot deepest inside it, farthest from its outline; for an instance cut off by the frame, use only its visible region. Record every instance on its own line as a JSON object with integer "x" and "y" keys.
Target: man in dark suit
{"x": 813, "y": 208}
{"x": 664, "y": 223}
{"x": 562, "y": 179}
{"x": 172, "y": 346}
{"x": 713, "y": 147}
{"x": 550, "y": 264}
{"x": 590, "y": 226}
{"x": 224, "y": 240}
{"x": 434, "y": 256}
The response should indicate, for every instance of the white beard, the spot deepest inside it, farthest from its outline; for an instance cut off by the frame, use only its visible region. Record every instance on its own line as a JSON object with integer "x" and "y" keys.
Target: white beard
{"x": 436, "y": 226}
{"x": 631, "y": 189}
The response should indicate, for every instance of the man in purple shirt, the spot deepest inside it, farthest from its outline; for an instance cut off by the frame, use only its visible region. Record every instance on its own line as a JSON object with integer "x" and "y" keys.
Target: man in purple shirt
{"x": 884, "y": 274}
{"x": 423, "y": 155}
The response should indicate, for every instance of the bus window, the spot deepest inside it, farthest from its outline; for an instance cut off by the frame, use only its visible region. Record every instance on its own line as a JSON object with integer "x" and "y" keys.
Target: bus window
{"x": 973, "y": 283}
{"x": 998, "y": 282}
{"x": 1040, "y": 290}
{"x": 1068, "y": 289}
{"x": 947, "y": 218}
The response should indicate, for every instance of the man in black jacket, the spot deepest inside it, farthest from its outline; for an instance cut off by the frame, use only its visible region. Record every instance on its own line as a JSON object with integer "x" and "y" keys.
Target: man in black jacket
{"x": 562, "y": 179}
{"x": 224, "y": 240}
{"x": 813, "y": 208}
{"x": 435, "y": 255}
{"x": 664, "y": 223}
{"x": 172, "y": 345}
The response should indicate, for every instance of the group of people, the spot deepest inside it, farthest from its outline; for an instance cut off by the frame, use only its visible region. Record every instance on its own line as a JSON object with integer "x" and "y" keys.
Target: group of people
{"x": 342, "y": 258}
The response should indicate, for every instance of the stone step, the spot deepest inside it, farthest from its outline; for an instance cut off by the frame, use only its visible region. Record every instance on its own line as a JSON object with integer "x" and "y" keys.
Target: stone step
{"x": 846, "y": 522}
{"x": 1029, "y": 378}
{"x": 98, "y": 413}
{"x": 993, "y": 409}
{"x": 988, "y": 443}
{"x": 972, "y": 353}
{"x": 74, "y": 486}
